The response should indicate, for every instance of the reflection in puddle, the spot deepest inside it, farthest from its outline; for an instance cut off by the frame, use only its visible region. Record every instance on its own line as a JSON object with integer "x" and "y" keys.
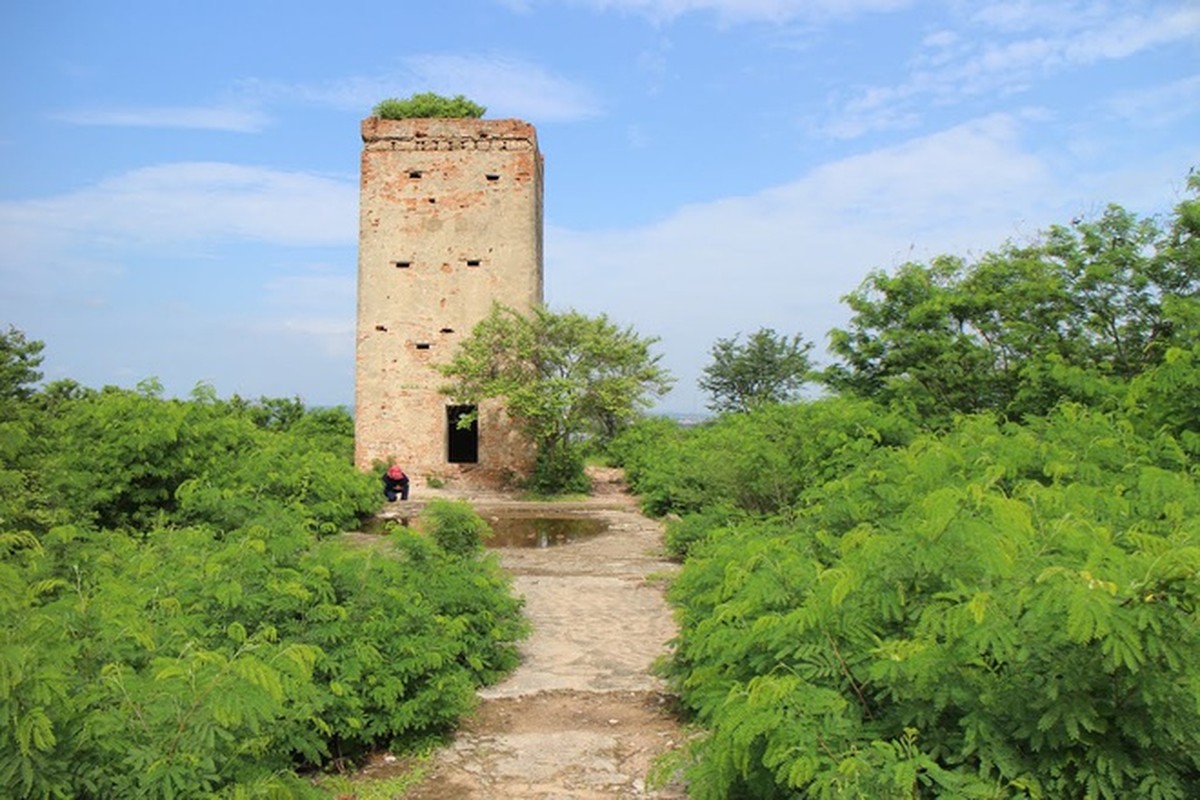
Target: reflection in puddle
{"x": 542, "y": 531}
{"x": 512, "y": 531}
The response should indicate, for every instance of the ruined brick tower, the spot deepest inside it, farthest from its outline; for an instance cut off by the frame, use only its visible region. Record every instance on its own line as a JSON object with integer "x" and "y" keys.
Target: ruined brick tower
{"x": 450, "y": 221}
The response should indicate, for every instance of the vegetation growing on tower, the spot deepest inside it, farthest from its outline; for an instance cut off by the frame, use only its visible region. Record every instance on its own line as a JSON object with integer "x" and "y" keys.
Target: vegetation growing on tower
{"x": 425, "y": 105}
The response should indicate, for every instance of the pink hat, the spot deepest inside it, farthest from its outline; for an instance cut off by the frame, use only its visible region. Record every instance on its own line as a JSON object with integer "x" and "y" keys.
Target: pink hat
{"x": 395, "y": 472}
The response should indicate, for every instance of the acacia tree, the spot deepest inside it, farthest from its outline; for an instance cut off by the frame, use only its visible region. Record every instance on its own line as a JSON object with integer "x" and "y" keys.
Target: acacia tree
{"x": 1074, "y": 315}
{"x": 19, "y": 362}
{"x": 20, "y": 430}
{"x": 562, "y": 377}
{"x": 768, "y": 368}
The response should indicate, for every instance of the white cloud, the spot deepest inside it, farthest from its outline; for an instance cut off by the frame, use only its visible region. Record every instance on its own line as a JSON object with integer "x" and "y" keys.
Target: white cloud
{"x": 75, "y": 258}
{"x": 1162, "y": 105}
{"x": 1131, "y": 34}
{"x": 312, "y": 291}
{"x": 735, "y": 10}
{"x": 331, "y": 336}
{"x": 508, "y": 86}
{"x": 193, "y": 201}
{"x": 1024, "y": 15}
{"x": 216, "y": 118}
{"x": 941, "y": 40}
{"x": 957, "y": 64}
{"x": 782, "y": 258}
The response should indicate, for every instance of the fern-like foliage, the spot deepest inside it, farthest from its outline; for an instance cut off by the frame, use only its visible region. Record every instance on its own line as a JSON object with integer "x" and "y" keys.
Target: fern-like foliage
{"x": 198, "y": 629}
{"x": 1000, "y": 611}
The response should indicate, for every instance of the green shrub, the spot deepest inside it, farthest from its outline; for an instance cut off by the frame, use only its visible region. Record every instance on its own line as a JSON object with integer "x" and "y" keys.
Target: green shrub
{"x": 189, "y": 635}
{"x": 190, "y": 662}
{"x": 132, "y": 459}
{"x": 455, "y": 526}
{"x": 283, "y": 471}
{"x": 426, "y": 105}
{"x": 559, "y": 471}
{"x": 117, "y": 457}
{"x": 629, "y": 446}
{"x": 1002, "y": 611}
{"x": 685, "y": 533}
{"x": 759, "y": 462}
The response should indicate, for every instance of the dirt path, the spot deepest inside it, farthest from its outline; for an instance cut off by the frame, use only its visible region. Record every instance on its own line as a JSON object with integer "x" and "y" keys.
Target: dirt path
{"x": 582, "y": 716}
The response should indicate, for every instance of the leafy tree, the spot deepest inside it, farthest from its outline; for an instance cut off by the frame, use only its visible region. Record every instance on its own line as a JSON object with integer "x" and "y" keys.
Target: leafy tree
{"x": 272, "y": 413}
{"x": 23, "y": 439}
{"x": 1167, "y": 397}
{"x": 19, "y": 362}
{"x": 768, "y": 368}
{"x": 562, "y": 377}
{"x": 428, "y": 104}
{"x": 1074, "y": 315}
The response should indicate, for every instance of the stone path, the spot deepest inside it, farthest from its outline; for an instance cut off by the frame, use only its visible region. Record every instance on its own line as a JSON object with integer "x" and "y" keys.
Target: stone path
{"x": 582, "y": 716}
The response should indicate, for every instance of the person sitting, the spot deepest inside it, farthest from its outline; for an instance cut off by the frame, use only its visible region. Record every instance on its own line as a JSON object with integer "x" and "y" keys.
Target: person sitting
{"x": 395, "y": 484}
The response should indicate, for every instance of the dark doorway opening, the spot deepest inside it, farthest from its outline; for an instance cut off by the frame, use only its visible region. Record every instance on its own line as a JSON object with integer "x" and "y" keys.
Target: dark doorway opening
{"x": 463, "y": 442}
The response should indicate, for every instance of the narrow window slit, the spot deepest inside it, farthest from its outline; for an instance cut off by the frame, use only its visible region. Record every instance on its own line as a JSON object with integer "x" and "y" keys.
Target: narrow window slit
{"x": 381, "y": 328}
{"x": 422, "y": 345}
{"x": 473, "y": 262}
{"x": 403, "y": 264}
{"x": 414, "y": 173}
{"x": 446, "y": 330}
{"x": 491, "y": 176}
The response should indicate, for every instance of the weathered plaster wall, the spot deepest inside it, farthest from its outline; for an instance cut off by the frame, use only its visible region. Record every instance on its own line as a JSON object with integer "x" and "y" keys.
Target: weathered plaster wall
{"x": 450, "y": 220}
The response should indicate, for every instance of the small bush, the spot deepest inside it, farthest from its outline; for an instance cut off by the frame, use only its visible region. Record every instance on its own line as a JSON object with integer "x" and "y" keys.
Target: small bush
{"x": 688, "y": 532}
{"x": 559, "y": 471}
{"x": 428, "y": 105}
{"x": 456, "y": 527}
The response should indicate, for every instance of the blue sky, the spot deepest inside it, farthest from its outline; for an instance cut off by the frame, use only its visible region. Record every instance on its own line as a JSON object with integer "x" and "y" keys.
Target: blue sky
{"x": 178, "y": 181}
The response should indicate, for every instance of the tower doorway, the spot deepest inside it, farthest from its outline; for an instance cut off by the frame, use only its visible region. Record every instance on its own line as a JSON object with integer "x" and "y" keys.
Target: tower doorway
{"x": 462, "y": 442}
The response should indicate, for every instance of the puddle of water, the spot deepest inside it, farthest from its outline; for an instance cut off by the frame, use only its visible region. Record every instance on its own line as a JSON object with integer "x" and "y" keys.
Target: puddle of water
{"x": 508, "y": 531}
{"x": 542, "y": 531}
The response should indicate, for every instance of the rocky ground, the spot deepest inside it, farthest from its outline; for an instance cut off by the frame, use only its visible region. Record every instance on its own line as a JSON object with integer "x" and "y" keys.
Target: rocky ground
{"x": 582, "y": 716}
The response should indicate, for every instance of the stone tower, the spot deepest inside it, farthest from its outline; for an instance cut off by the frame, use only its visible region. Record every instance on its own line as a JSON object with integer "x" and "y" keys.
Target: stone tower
{"x": 450, "y": 221}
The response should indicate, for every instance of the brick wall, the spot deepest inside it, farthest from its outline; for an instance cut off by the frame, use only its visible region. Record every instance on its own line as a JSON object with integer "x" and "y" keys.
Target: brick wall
{"x": 450, "y": 221}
